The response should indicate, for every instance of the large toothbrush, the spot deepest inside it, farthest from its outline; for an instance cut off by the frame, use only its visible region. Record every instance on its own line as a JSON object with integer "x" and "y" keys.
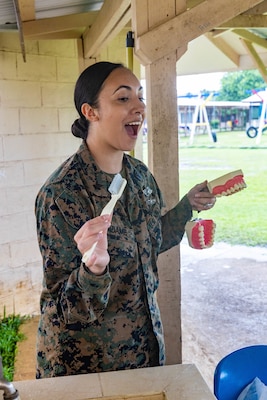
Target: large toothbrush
{"x": 116, "y": 189}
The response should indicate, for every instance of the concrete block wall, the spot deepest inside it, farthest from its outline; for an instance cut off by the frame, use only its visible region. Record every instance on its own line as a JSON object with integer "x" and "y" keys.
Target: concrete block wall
{"x": 36, "y": 113}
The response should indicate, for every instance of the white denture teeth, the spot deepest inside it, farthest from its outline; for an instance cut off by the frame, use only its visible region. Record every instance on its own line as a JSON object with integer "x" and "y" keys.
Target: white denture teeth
{"x": 200, "y": 233}
{"x": 201, "y": 236}
{"x": 228, "y": 184}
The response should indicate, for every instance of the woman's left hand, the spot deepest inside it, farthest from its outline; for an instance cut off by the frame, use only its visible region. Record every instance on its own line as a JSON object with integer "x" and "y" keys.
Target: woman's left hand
{"x": 200, "y": 198}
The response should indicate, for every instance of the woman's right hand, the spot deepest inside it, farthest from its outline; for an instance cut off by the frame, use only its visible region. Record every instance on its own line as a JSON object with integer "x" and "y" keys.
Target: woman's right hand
{"x": 95, "y": 230}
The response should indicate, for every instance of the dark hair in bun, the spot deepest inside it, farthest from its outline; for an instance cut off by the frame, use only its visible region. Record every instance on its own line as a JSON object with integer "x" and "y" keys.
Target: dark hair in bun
{"x": 87, "y": 90}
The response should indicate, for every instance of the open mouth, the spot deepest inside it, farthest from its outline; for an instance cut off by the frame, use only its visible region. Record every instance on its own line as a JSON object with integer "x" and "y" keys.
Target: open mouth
{"x": 132, "y": 128}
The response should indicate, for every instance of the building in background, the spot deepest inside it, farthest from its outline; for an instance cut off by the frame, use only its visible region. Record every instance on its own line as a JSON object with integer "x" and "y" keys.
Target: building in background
{"x": 223, "y": 115}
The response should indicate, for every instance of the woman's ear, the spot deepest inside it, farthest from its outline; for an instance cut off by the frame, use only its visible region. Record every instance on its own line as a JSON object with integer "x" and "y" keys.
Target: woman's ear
{"x": 90, "y": 113}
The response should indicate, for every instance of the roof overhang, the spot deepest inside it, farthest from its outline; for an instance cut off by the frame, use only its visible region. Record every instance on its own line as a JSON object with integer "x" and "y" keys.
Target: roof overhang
{"x": 237, "y": 43}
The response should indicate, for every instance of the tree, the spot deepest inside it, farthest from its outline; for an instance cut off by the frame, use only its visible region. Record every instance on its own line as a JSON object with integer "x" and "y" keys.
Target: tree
{"x": 236, "y": 86}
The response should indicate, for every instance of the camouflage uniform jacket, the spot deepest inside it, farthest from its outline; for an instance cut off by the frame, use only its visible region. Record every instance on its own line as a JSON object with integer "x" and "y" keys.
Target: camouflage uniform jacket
{"x": 94, "y": 323}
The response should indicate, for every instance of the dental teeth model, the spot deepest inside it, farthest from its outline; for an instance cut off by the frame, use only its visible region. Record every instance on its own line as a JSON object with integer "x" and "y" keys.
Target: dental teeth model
{"x": 227, "y": 184}
{"x": 200, "y": 233}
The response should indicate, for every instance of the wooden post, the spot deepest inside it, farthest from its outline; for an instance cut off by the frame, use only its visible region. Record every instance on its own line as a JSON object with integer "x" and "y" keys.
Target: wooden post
{"x": 163, "y": 161}
{"x": 163, "y": 158}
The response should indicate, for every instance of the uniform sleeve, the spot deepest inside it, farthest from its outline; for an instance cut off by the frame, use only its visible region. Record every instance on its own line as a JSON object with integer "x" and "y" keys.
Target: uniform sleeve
{"x": 173, "y": 224}
{"x": 80, "y": 295}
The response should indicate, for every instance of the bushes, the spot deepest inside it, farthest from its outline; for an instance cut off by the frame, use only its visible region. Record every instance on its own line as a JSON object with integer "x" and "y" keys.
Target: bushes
{"x": 9, "y": 336}
{"x": 215, "y": 123}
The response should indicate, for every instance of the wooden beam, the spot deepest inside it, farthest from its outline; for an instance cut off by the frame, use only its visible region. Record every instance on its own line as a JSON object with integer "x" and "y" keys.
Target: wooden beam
{"x": 256, "y": 58}
{"x": 180, "y": 6}
{"x": 251, "y": 37}
{"x": 224, "y": 47}
{"x": 27, "y": 10}
{"x": 73, "y": 34}
{"x": 246, "y": 22}
{"x": 181, "y": 51}
{"x": 112, "y": 17}
{"x": 141, "y": 23}
{"x": 166, "y": 9}
{"x": 258, "y": 9}
{"x": 218, "y": 32}
{"x": 183, "y": 28}
{"x": 192, "y": 3}
{"x": 46, "y": 26}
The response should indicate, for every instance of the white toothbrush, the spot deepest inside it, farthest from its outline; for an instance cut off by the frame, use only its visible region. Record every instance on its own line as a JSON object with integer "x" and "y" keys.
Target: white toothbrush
{"x": 116, "y": 189}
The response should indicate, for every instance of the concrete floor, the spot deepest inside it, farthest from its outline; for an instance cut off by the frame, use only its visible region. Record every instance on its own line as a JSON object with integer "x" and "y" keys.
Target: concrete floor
{"x": 25, "y": 365}
{"x": 224, "y": 302}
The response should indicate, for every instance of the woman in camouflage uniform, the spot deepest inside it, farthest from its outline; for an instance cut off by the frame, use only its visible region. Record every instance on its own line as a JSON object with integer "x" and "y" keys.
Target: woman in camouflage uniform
{"x": 103, "y": 315}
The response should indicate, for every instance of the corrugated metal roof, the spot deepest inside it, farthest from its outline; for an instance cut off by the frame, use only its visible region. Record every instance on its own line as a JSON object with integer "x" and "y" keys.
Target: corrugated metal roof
{"x": 52, "y": 8}
{"x": 7, "y": 12}
{"x": 47, "y": 9}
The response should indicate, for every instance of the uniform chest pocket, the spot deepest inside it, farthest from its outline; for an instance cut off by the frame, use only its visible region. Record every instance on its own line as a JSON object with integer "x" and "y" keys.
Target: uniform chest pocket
{"x": 73, "y": 210}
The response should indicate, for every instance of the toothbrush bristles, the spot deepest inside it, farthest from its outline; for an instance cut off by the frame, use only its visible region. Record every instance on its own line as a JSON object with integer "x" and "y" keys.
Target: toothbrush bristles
{"x": 116, "y": 184}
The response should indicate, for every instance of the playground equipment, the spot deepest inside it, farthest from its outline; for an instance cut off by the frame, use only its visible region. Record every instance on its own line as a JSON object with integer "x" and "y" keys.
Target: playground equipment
{"x": 253, "y": 131}
{"x": 200, "y": 118}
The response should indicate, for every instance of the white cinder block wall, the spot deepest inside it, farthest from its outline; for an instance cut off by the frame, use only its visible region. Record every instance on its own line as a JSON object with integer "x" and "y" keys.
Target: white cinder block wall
{"x": 36, "y": 113}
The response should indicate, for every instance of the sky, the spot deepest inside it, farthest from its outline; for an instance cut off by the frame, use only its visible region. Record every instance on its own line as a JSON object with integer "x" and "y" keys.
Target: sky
{"x": 195, "y": 83}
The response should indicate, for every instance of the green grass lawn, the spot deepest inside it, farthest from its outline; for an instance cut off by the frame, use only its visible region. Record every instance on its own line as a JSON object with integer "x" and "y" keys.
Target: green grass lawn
{"x": 242, "y": 217}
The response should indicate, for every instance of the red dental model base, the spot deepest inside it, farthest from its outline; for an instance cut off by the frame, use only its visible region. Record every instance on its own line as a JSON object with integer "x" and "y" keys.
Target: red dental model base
{"x": 227, "y": 184}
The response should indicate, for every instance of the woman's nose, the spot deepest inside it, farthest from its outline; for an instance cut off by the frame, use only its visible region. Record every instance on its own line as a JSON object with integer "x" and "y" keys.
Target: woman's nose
{"x": 140, "y": 115}
{"x": 139, "y": 106}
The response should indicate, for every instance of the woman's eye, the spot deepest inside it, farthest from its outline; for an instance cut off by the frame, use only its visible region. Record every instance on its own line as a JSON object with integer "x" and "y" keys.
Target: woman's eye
{"x": 125, "y": 99}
